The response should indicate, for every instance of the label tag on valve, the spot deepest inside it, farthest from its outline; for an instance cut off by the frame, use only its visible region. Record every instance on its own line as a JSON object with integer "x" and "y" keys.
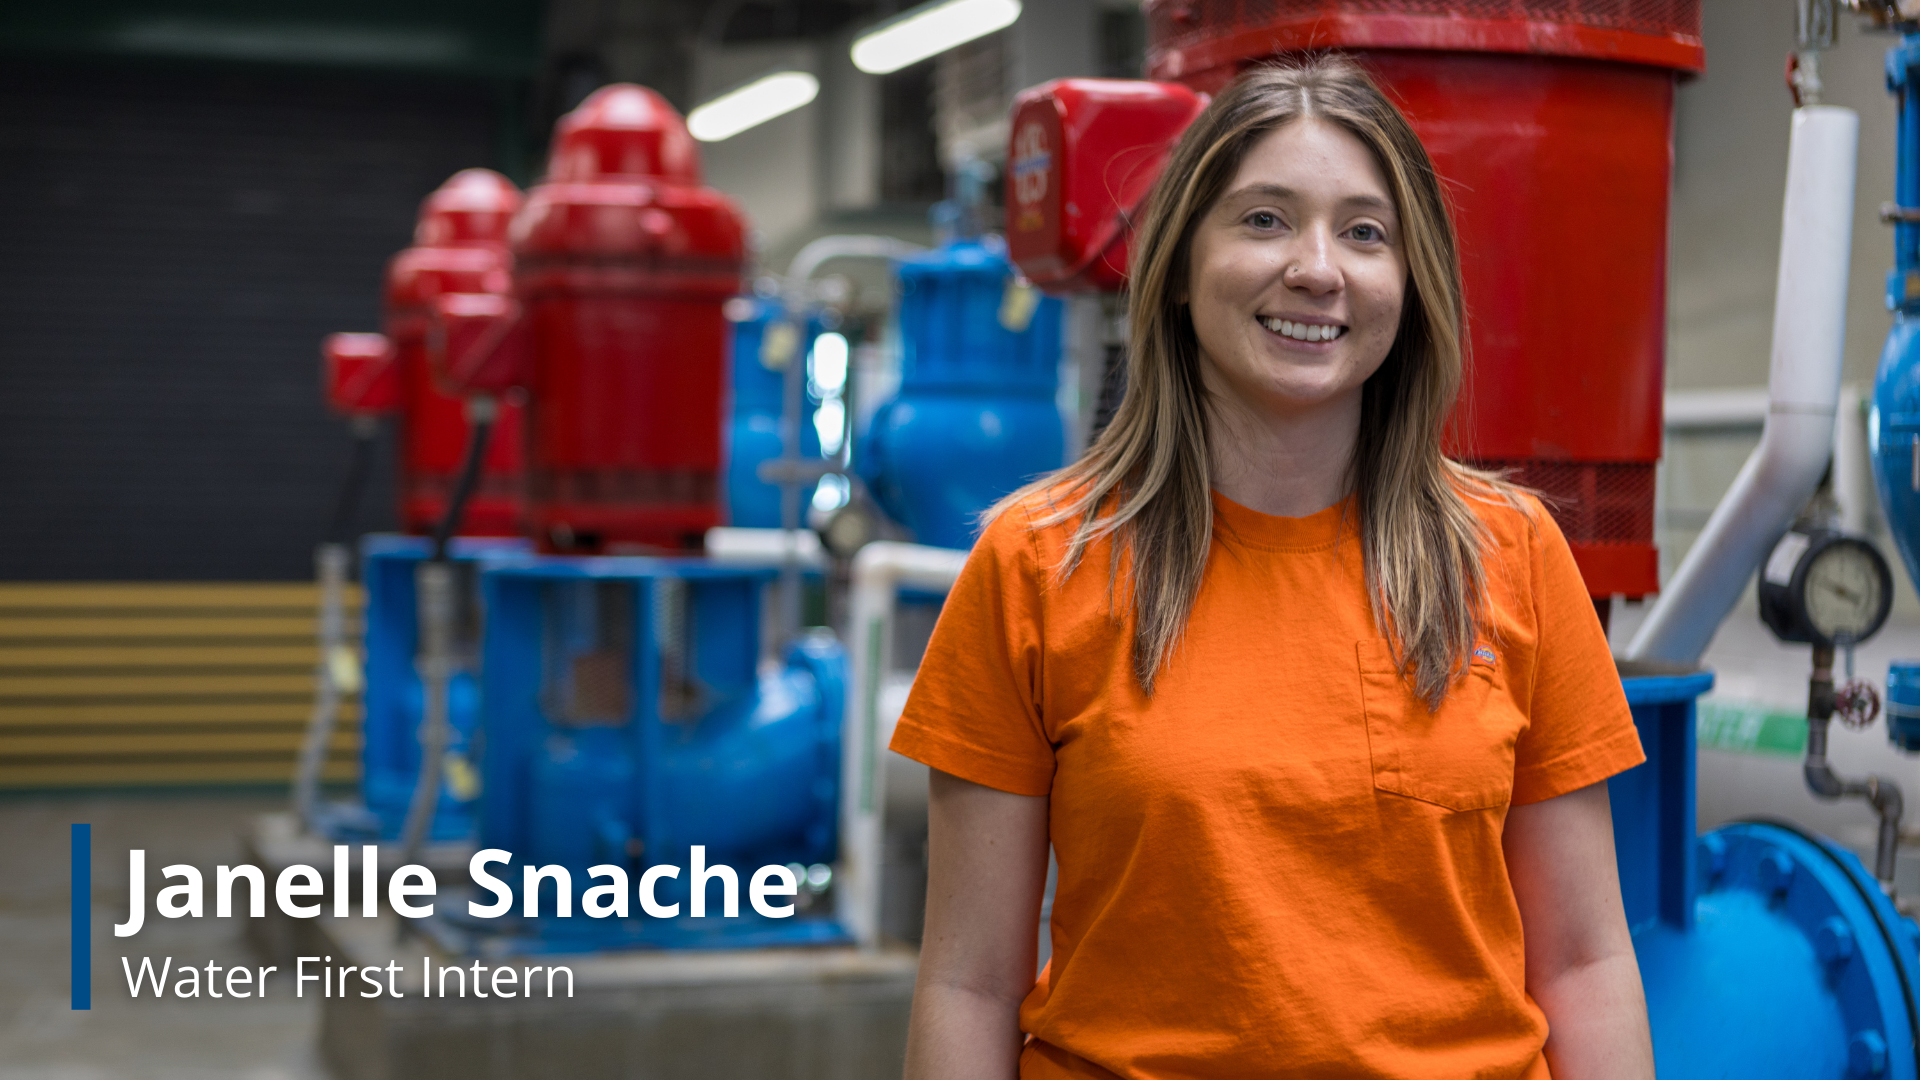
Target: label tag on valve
{"x": 1017, "y": 306}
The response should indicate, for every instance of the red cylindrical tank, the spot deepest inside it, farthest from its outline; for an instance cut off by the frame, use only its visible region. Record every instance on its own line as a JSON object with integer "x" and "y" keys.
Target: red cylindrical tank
{"x": 459, "y": 247}
{"x": 622, "y": 263}
{"x": 1551, "y": 122}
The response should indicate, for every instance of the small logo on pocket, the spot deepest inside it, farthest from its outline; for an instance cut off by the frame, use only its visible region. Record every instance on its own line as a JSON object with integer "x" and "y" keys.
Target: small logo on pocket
{"x": 1483, "y": 653}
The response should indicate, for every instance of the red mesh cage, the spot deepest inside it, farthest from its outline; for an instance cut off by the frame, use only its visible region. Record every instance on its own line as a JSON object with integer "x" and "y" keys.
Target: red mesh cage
{"x": 1187, "y": 37}
{"x": 1606, "y": 511}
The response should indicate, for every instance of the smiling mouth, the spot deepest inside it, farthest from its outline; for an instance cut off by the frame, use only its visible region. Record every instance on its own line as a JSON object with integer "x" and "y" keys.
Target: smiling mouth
{"x": 1299, "y": 331}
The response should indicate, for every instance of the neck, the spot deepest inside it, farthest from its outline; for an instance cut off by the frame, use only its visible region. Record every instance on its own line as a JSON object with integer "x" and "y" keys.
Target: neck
{"x": 1289, "y": 465}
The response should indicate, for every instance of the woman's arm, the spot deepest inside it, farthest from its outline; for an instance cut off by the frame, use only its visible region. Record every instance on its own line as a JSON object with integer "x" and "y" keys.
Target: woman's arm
{"x": 1580, "y": 962}
{"x": 986, "y": 868}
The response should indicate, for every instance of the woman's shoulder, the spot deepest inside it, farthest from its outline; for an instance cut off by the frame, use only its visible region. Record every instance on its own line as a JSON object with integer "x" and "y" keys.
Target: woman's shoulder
{"x": 1035, "y": 529}
{"x": 1513, "y": 517}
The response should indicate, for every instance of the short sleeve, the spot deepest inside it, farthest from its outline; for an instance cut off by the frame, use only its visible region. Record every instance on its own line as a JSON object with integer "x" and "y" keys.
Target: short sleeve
{"x": 974, "y": 710}
{"x": 1579, "y": 728}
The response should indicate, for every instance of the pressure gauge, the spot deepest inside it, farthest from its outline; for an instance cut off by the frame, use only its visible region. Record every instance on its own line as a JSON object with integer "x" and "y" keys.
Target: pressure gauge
{"x": 1826, "y": 588}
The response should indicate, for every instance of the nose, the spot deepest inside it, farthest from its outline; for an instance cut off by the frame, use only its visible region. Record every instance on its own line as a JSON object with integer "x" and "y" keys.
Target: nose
{"x": 1311, "y": 269}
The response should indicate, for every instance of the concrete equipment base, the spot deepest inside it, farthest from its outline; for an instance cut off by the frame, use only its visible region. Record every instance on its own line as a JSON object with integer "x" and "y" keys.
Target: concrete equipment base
{"x": 275, "y": 841}
{"x": 805, "y": 1014}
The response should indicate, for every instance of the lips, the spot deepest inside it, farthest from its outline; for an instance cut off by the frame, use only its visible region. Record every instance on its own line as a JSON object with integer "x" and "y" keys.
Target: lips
{"x": 1303, "y": 331}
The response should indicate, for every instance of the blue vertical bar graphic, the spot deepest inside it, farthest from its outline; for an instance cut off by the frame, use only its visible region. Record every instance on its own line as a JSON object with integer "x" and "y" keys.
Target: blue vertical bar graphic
{"x": 82, "y": 942}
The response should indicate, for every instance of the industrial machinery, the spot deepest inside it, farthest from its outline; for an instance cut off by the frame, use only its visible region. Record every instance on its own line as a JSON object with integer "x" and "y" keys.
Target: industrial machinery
{"x": 628, "y": 719}
{"x": 395, "y": 697}
{"x": 1526, "y": 108}
{"x": 766, "y": 340}
{"x": 1764, "y": 951}
{"x": 459, "y": 246}
{"x": 975, "y": 415}
{"x": 614, "y": 329}
{"x": 1894, "y": 423}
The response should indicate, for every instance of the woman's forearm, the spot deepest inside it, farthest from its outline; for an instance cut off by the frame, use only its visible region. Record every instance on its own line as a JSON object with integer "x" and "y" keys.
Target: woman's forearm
{"x": 986, "y": 868}
{"x": 1597, "y": 1021}
{"x": 958, "y": 1034}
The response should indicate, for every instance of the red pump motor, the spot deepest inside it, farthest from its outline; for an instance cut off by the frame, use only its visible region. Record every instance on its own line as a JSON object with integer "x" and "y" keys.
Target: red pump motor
{"x": 1551, "y": 122}
{"x": 622, "y": 264}
{"x": 459, "y": 247}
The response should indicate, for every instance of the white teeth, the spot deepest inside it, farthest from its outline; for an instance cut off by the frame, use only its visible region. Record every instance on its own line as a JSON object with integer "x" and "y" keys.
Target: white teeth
{"x": 1303, "y": 331}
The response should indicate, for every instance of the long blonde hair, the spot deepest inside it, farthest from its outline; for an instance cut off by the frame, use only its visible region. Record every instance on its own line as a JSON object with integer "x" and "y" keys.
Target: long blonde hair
{"x": 1145, "y": 480}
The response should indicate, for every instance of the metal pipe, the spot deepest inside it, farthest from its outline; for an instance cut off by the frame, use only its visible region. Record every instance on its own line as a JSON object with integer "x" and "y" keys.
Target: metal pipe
{"x": 433, "y": 585}
{"x": 733, "y": 546}
{"x": 1880, "y": 792}
{"x": 330, "y": 567}
{"x": 879, "y": 570}
{"x": 792, "y": 403}
{"x": 434, "y": 595}
{"x": 331, "y": 561}
{"x": 1809, "y": 330}
{"x": 850, "y": 246}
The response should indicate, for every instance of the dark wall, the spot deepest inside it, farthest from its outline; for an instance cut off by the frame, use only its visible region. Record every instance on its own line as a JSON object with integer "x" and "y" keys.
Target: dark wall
{"x": 173, "y": 246}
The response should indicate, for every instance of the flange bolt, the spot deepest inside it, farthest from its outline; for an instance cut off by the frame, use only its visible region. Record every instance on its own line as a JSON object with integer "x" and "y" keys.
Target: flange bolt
{"x": 1713, "y": 858}
{"x": 1776, "y": 875}
{"x": 1867, "y": 1054}
{"x": 1833, "y": 942}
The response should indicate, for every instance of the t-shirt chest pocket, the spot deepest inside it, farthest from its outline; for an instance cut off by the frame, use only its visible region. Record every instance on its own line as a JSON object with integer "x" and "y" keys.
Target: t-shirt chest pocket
{"x": 1460, "y": 755}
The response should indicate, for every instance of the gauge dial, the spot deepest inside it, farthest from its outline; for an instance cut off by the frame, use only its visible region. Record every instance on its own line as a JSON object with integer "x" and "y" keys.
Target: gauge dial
{"x": 1845, "y": 591}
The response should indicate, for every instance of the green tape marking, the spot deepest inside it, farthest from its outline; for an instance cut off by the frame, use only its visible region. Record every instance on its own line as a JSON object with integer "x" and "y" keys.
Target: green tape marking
{"x": 1745, "y": 727}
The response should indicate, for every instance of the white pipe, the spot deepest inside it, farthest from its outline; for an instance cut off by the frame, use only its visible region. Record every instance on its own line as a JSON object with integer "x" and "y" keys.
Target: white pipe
{"x": 852, "y": 246}
{"x": 1853, "y": 463}
{"x": 331, "y": 566}
{"x": 1803, "y": 384}
{"x": 1697, "y": 410}
{"x": 879, "y": 570}
{"x": 765, "y": 547}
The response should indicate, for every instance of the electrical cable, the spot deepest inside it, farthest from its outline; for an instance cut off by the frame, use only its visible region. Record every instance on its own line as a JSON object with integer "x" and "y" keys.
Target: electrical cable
{"x": 359, "y": 466}
{"x": 465, "y": 482}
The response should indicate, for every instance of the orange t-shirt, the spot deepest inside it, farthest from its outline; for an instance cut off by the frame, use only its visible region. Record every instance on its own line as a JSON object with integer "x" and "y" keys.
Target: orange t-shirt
{"x": 1281, "y": 863}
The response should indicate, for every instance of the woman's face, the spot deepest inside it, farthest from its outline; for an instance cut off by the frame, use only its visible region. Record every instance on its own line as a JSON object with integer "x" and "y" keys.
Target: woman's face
{"x": 1297, "y": 272}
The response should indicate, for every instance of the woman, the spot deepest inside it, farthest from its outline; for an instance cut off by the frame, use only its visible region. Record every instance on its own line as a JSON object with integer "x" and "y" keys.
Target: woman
{"x": 1316, "y": 720}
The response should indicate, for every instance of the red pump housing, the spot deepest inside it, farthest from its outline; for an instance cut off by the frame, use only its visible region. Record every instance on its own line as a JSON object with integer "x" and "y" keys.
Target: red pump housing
{"x": 622, "y": 264}
{"x": 459, "y": 247}
{"x": 1551, "y": 122}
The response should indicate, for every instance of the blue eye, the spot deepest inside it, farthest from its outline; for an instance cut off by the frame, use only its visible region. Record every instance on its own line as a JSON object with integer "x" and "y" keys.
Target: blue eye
{"x": 1367, "y": 233}
{"x": 1261, "y": 219}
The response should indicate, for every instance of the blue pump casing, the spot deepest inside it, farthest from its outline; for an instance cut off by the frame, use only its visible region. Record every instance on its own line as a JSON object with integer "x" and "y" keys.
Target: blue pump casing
{"x": 975, "y": 416}
{"x": 1903, "y": 704}
{"x": 1765, "y": 952}
{"x": 629, "y": 719}
{"x": 394, "y": 699}
{"x": 753, "y": 428}
{"x": 1893, "y": 425}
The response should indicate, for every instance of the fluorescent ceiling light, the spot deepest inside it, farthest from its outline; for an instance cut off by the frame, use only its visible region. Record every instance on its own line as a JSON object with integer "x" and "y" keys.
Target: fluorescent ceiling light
{"x": 930, "y": 30}
{"x": 753, "y": 104}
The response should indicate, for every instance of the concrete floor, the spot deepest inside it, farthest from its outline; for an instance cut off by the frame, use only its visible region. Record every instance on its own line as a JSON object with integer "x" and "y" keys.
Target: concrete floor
{"x": 41, "y": 1038}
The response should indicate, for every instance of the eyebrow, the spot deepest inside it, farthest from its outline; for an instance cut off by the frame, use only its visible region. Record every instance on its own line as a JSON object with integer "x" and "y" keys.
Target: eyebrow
{"x": 1277, "y": 191}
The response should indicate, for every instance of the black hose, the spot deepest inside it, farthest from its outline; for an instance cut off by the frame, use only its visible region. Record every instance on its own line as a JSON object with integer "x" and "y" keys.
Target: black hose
{"x": 463, "y": 485}
{"x": 359, "y": 465}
